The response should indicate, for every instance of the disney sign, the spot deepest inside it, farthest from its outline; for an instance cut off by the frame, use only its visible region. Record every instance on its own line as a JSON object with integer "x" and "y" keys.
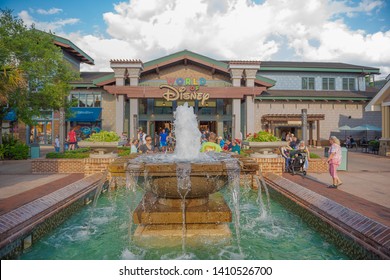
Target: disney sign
{"x": 181, "y": 93}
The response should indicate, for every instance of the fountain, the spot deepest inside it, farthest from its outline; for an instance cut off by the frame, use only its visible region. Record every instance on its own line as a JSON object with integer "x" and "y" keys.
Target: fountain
{"x": 181, "y": 189}
{"x": 182, "y": 210}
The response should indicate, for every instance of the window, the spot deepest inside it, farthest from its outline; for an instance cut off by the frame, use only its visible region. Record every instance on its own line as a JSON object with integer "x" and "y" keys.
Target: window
{"x": 308, "y": 83}
{"x": 92, "y": 99}
{"x": 328, "y": 83}
{"x": 348, "y": 83}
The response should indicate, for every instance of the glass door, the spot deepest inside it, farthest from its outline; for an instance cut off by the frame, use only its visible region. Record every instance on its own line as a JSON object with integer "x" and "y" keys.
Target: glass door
{"x": 41, "y": 133}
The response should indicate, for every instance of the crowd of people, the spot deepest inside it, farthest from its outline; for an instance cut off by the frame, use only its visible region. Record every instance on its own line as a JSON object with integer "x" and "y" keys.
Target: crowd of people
{"x": 164, "y": 141}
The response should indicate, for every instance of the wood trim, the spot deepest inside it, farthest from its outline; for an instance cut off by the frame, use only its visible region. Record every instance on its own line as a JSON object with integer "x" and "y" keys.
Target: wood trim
{"x": 156, "y": 92}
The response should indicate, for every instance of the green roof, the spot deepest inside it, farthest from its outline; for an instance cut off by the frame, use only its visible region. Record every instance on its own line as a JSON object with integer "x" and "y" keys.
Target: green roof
{"x": 86, "y": 58}
{"x": 186, "y": 53}
{"x": 104, "y": 78}
{"x": 265, "y": 79}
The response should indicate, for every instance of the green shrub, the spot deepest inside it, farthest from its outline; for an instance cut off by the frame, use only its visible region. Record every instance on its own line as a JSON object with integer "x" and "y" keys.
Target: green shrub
{"x": 68, "y": 154}
{"x": 13, "y": 149}
{"x": 313, "y": 155}
{"x": 103, "y": 136}
{"x": 374, "y": 143}
{"x": 19, "y": 151}
{"x": 263, "y": 136}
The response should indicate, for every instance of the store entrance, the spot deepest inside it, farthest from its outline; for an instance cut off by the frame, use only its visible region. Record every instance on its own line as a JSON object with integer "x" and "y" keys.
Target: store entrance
{"x": 162, "y": 125}
{"x": 210, "y": 126}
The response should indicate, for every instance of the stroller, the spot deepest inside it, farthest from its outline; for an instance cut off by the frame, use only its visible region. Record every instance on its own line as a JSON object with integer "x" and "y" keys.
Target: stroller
{"x": 297, "y": 163}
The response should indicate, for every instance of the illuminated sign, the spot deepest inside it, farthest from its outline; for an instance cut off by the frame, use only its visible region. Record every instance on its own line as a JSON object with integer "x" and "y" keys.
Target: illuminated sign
{"x": 181, "y": 93}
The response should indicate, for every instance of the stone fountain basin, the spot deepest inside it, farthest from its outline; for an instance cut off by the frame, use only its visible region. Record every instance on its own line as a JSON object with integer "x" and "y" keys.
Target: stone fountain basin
{"x": 206, "y": 178}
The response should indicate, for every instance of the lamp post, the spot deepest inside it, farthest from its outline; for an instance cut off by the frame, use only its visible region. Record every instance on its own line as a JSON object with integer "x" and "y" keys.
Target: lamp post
{"x": 62, "y": 130}
{"x": 304, "y": 125}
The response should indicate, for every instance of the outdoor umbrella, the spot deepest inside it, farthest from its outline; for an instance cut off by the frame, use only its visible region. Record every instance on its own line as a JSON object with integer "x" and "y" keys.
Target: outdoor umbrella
{"x": 366, "y": 128}
{"x": 345, "y": 128}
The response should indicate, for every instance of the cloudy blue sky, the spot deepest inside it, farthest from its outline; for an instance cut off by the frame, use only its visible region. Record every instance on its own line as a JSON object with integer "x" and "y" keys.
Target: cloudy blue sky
{"x": 350, "y": 31}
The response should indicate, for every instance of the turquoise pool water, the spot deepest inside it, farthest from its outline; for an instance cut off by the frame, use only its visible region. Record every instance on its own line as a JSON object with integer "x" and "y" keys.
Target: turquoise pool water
{"x": 102, "y": 232}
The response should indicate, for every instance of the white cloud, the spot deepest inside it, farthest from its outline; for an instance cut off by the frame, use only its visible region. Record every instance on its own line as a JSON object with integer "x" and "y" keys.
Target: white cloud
{"x": 53, "y": 26}
{"x": 51, "y": 11}
{"x": 313, "y": 30}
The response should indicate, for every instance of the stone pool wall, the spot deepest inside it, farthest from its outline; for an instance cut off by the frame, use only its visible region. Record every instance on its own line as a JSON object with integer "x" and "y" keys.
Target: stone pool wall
{"x": 88, "y": 166}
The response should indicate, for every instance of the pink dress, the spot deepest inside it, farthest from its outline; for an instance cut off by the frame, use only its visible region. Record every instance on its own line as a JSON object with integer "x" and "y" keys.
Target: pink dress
{"x": 336, "y": 151}
{"x": 336, "y": 159}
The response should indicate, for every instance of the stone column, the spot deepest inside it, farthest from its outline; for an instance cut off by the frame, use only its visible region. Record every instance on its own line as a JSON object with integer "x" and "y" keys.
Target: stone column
{"x": 220, "y": 128}
{"x": 236, "y": 76}
{"x": 236, "y": 121}
{"x": 119, "y": 113}
{"x": 134, "y": 117}
{"x": 304, "y": 125}
{"x": 123, "y": 69}
{"x": 384, "y": 142}
{"x": 250, "y": 76}
{"x": 318, "y": 133}
{"x": 311, "y": 142}
{"x": 134, "y": 74}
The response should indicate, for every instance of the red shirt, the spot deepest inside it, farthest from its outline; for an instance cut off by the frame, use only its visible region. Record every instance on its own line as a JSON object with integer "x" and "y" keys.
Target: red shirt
{"x": 72, "y": 136}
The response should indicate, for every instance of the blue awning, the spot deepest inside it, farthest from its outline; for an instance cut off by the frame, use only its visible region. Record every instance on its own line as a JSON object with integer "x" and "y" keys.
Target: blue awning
{"x": 11, "y": 116}
{"x": 85, "y": 114}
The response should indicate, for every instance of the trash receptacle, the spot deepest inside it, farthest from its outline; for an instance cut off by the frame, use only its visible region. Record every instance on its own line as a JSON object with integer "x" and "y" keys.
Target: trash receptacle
{"x": 344, "y": 159}
{"x": 326, "y": 152}
{"x": 35, "y": 150}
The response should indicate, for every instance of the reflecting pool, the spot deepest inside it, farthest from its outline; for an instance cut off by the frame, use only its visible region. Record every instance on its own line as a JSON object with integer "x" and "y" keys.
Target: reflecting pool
{"x": 104, "y": 232}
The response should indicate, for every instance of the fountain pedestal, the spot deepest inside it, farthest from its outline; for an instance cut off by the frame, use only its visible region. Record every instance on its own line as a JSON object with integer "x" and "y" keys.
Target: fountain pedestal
{"x": 202, "y": 220}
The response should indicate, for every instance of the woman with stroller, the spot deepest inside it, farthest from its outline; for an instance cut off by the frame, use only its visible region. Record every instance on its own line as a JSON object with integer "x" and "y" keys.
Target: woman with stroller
{"x": 285, "y": 152}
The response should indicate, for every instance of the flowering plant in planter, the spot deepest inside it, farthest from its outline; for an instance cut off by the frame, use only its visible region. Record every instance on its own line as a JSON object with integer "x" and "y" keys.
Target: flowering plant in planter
{"x": 264, "y": 143}
{"x": 102, "y": 142}
{"x": 262, "y": 136}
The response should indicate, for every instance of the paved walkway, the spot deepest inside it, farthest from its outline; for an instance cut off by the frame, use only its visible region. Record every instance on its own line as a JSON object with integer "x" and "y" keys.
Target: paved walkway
{"x": 367, "y": 177}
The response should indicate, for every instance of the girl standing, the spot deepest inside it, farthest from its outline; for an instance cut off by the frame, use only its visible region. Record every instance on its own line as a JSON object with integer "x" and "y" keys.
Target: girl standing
{"x": 334, "y": 161}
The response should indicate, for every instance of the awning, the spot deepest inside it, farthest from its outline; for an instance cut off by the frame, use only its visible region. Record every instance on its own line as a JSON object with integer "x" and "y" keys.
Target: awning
{"x": 11, "y": 116}
{"x": 85, "y": 114}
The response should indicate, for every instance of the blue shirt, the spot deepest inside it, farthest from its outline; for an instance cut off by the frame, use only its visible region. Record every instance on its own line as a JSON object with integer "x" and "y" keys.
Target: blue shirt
{"x": 163, "y": 136}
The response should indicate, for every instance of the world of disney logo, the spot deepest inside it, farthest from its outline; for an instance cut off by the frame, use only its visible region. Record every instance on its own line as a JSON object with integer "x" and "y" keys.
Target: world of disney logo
{"x": 184, "y": 93}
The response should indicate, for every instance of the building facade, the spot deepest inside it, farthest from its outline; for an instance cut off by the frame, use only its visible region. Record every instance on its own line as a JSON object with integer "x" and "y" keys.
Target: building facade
{"x": 232, "y": 98}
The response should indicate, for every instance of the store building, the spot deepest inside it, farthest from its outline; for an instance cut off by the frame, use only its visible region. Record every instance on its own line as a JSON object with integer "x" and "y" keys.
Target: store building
{"x": 47, "y": 123}
{"x": 381, "y": 103}
{"x": 229, "y": 97}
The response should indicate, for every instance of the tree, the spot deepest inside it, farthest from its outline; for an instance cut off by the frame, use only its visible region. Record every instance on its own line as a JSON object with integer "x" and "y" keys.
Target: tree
{"x": 34, "y": 76}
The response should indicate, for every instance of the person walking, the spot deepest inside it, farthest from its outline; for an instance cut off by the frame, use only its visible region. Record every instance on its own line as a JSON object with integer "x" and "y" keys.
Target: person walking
{"x": 57, "y": 144}
{"x": 72, "y": 139}
{"x": 334, "y": 161}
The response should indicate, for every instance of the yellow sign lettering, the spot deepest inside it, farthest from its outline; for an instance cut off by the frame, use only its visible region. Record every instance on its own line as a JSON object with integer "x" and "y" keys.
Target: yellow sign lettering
{"x": 181, "y": 93}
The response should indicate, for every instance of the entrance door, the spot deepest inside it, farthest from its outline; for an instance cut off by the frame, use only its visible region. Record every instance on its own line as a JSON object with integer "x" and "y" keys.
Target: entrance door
{"x": 41, "y": 133}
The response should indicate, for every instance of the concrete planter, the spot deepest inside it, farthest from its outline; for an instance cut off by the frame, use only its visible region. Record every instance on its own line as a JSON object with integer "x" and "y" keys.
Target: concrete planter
{"x": 100, "y": 150}
{"x": 264, "y": 149}
{"x": 107, "y": 146}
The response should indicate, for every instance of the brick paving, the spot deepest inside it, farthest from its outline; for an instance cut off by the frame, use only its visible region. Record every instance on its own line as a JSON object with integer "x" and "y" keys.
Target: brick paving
{"x": 10, "y": 203}
{"x": 358, "y": 204}
{"x": 19, "y": 220}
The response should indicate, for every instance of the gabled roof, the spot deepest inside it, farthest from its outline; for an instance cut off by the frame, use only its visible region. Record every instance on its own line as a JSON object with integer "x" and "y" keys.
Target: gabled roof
{"x": 73, "y": 49}
{"x": 94, "y": 79}
{"x": 376, "y": 102}
{"x": 200, "y": 59}
{"x": 295, "y": 66}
